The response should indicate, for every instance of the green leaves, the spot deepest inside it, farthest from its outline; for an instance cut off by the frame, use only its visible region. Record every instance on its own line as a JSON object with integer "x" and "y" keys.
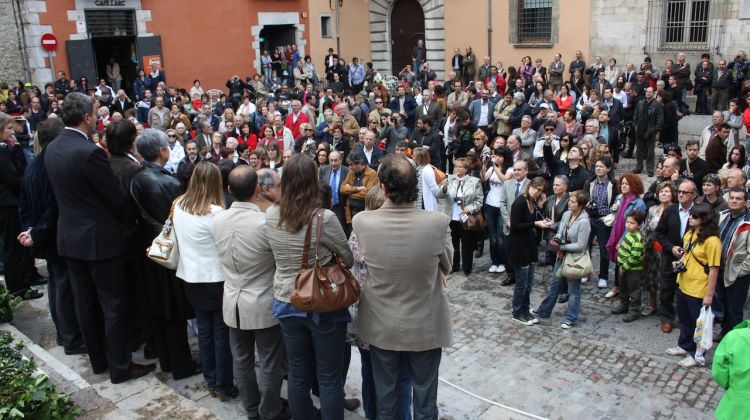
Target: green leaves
{"x": 8, "y": 303}
{"x": 24, "y": 391}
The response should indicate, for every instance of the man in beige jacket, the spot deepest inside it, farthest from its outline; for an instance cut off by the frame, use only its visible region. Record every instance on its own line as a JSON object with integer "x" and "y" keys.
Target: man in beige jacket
{"x": 403, "y": 310}
{"x": 249, "y": 268}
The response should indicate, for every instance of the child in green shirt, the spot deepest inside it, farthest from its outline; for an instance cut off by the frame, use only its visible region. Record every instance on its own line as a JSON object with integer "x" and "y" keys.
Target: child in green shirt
{"x": 630, "y": 263}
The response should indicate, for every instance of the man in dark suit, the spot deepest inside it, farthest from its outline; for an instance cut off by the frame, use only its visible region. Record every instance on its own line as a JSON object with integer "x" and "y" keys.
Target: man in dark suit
{"x": 91, "y": 206}
{"x": 405, "y": 105}
{"x": 333, "y": 175}
{"x": 121, "y": 103}
{"x": 429, "y": 108}
{"x": 609, "y": 133}
{"x": 669, "y": 232}
{"x": 720, "y": 87}
{"x": 329, "y": 64}
{"x": 38, "y": 210}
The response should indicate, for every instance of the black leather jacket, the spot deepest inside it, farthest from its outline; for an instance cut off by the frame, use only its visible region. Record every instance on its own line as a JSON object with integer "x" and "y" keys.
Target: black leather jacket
{"x": 154, "y": 189}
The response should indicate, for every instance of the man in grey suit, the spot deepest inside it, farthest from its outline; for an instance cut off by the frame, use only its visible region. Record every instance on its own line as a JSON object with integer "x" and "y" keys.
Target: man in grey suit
{"x": 403, "y": 310}
{"x": 429, "y": 108}
{"x": 249, "y": 268}
{"x": 512, "y": 189}
{"x": 333, "y": 175}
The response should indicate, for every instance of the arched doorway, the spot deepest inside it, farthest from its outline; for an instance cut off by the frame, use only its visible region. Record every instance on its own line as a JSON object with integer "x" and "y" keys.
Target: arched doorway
{"x": 407, "y": 26}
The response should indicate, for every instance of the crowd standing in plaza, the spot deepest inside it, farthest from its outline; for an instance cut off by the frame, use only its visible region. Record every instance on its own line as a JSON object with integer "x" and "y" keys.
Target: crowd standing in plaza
{"x": 91, "y": 174}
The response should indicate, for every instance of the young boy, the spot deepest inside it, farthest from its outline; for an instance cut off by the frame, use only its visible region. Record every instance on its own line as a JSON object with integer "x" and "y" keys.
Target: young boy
{"x": 630, "y": 263}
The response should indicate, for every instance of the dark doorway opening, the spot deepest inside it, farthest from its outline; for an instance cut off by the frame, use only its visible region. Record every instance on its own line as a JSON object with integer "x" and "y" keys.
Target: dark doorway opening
{"x": 407, "y": 26}
{"x": 122, "y": 48}
{"x": 276, "y": 36}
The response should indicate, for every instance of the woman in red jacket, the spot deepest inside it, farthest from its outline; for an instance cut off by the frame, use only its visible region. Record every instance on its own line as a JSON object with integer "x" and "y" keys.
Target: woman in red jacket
{"x": 564, "y": 100}
{"x": 246, "y": 137}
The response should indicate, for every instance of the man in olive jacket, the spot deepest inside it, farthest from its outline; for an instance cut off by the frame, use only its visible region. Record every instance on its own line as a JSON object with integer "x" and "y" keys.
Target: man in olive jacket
{"x": 403, "y": 310}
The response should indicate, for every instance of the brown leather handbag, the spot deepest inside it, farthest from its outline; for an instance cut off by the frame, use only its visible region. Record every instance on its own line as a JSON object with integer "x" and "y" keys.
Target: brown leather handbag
{"x": 328, "y": 288}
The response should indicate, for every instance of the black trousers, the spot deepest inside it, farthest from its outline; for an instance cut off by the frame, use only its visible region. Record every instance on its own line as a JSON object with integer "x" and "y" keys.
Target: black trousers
{"x": 61, "y": 303}
{"x": 172, "y": 346}
{"x": 464, "y": 240}
{"x": 340, "y": 212}
{"x": 667, "y": 286}
{"x": 100, "y": 292}
{"x": 14, "y": 256}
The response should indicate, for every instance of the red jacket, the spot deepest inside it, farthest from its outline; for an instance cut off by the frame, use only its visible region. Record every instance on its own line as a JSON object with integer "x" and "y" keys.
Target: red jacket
{"x": 499, "y": 81}
{"x": 294, "y": 126}
{"x": 251, "y": 140}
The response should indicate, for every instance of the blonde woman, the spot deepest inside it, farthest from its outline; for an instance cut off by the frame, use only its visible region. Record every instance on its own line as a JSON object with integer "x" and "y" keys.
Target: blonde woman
{"x": 200, "y": 268}
{"x": 227, "y": 116}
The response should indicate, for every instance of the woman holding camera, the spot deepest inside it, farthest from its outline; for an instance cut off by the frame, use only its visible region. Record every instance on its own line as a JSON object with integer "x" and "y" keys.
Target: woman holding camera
{"x": 697, "y": 269}
{"x": 572, "y": 236}
{"x": 463, "y": 196}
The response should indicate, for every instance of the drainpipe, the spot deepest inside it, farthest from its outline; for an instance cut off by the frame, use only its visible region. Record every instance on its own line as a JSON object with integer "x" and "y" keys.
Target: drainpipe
{"x": 338, "y": 34}
{"x": 22, "y": 48}
{"x": 489, "y": 29}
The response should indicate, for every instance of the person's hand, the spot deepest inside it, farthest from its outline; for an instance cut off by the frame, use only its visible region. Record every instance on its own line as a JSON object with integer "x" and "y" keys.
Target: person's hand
{"x": 708, "y": 300}
{"x": 24, "y": 238}
{"x": 560, "y": 255}
{"x": 507, "y": 224}
{"x": 677, "y": 252}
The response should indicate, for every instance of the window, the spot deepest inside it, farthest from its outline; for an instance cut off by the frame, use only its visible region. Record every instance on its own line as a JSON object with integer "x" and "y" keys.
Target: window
{"x": 105, "y": 23}
{"x": 325, "y": 27}
{"x": 534, "y": 21}
{"x": 686, "y": 21}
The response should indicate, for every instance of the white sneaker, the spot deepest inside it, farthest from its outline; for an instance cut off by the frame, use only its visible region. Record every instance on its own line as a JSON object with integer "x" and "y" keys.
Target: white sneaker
{"x": 493, "y": 269}
{"x": 602, "y": 284}
{"x": 688, "y": 362}
{"x": 533, "y": 320}
{"x": 676, "y": 351}
{"x": 566, "y": 326}
{"x": 500, "y": 269}
{"x": 584, "y": 280}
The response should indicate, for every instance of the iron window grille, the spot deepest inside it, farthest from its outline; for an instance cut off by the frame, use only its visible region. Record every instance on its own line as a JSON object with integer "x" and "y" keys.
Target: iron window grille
{"x": 534, "y": 21}
{"x": 105, "y": 23}
{"x": 684, "y": 25}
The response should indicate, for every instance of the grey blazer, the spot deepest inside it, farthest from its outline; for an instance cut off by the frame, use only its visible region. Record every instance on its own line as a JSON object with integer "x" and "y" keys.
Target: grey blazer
{"x": 287, "y": 249}
{"x": 507, "y": 199}
{"x": 403, "y": 305}
{"x": 248, "y": 265}
{"x": 472, "y": 193}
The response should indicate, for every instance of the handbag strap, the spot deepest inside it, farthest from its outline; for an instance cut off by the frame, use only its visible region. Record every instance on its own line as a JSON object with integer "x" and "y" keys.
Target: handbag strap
{"x": 319, "y": 228}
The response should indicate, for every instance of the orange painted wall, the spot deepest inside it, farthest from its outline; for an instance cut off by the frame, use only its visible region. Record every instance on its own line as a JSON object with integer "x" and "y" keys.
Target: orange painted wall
{"x": 57, "y": 16}
{"x": 354, "y": 26}
{"x": 574, "y": 32}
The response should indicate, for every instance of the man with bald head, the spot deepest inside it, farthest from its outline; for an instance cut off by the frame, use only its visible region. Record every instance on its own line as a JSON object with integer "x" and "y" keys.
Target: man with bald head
{"x": 249, "y": 267}
{"x": 670, "y": 172}
{"x": 333, "y": 175}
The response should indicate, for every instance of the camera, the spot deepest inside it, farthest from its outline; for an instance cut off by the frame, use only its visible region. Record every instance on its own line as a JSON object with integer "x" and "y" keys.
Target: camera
{"x": 458, "y": 200}
{"x": 679, "y": 267}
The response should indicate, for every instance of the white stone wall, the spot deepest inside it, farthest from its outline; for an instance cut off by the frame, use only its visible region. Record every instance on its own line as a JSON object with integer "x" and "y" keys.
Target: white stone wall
{"x": 11, "y": 64}
{"x": 619, "y": 30}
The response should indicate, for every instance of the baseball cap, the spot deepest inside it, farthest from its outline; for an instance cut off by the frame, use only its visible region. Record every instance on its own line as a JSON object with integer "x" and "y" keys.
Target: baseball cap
{"x": 544, "y": 106}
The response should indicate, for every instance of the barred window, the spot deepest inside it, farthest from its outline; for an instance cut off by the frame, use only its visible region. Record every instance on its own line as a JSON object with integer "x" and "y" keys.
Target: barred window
{"x": 534, "y": 21}
{"x": 686, "y": 21}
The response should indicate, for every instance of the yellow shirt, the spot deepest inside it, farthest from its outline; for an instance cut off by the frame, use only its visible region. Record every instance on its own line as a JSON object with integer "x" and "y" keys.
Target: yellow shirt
{"x": 694, "y": 281}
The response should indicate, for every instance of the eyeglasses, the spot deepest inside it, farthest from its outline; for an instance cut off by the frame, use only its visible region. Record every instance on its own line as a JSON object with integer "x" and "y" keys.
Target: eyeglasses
{"x": 549, "y": 130}
{"x": 378, "y": 103}
{"x": 308, "y": 129}
{"x": 477, "y": 138}
{"x": 694, "y": 216}
{"x": 685, "y": 192}
{"x": 172, "y": 135}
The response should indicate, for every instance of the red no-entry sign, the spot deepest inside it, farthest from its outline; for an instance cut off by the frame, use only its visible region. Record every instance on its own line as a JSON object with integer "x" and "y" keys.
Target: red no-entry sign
{"x": 49, "y": 42}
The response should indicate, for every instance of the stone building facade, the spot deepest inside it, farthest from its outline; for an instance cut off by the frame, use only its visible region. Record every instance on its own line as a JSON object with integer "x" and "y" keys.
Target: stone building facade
{"x": 11, "y": 64}
{"x": 631, "y": 30}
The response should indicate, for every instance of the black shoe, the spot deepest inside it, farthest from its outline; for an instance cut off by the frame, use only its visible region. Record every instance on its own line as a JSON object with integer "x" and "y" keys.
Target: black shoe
{"x": 563, "y": 298}
{"x": 227, "y": 396}
{"x": 76, "y": 350}
{"x": 479, "y": 252}
{"x": 627, "y": 155}
{"x": 630, "y": 317}
{"x": 619, "y": 310}
{"x": 149, "y": 352}
{"x": 194, "y": 371}
{"x": 136, "y": 371}
{"x": 29, "y": 294}
{"x": 508, "y": 282}
{"x": 351, "y": 404}
{"x": 456, "y": 269}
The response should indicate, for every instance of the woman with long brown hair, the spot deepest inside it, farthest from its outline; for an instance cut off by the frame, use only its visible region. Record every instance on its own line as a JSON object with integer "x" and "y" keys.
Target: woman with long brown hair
{"x": 314, "y": 341}
{"x": 200, "y": 268}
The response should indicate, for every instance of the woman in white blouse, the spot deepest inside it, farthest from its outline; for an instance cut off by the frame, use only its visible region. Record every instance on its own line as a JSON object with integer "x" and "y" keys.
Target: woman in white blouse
{"x": 500, "y": 170}
{"x": 426, "y": 185}
{"x": 199, "y": 267}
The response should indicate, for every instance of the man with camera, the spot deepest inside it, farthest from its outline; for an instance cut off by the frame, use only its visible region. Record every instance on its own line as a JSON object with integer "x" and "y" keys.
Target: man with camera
{"x": 669, "y": 233}
{"x": 393, "y": 133}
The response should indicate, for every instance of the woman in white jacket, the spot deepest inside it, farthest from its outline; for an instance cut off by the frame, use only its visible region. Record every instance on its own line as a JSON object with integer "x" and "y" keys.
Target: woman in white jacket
{"x": 426, "y": 184}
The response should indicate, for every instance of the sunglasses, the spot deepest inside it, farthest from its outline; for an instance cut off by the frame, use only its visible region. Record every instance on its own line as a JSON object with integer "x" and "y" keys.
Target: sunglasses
{"x": 684, "y": 192}
{"x": 171, "y": 135}
{"x": 549, "y": 130}
{"x": 477, "y": 138}
{"x": 378, "y": 103}
{"x": 694, "y": 216}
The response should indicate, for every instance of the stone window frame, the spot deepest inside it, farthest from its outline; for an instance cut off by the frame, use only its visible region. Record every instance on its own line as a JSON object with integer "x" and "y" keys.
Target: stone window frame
{"x": 330, "y": 24}
{"x": 513, "y": 37}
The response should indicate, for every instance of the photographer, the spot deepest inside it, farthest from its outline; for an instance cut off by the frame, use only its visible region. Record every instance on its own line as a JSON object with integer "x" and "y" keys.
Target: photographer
{"x": 698, "y": 270}
{"x": 306, "y": 143}
{"x": 463, "y": 196}
{"x": 393, "y": 133}
{"x": 236, "y": 88}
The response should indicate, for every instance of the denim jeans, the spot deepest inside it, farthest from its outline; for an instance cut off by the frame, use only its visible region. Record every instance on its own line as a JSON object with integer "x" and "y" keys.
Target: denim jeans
{"x": 215, "y": 351}
{"x": 688, "y": 310}
{"x": 495, "y": 232}
{"x": 423, "y": 367}
{"x": 522, "y": 290}
{"x": 368, "y": 388}
{"x": 574, "y": 297}
{"x": 601, "y": 232}
{"x": 322, "y": 345}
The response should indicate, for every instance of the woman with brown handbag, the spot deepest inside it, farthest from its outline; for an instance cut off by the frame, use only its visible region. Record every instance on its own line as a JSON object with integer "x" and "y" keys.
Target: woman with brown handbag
{"x": 311, "y": 339}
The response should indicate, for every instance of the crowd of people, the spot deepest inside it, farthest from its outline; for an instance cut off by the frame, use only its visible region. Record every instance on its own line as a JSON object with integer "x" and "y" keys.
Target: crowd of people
{"x": 91, "y": 174}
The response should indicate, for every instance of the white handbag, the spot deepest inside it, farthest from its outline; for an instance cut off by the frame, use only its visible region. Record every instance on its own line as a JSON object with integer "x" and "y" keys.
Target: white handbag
{"x": 163, "y": 249}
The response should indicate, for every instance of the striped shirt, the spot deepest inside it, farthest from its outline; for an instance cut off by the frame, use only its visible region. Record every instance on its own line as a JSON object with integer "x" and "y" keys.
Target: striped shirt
{"x": 630, "y": 252}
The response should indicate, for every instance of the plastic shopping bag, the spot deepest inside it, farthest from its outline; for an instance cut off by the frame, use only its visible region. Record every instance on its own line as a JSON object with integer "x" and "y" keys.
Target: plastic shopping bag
{"x": 703, "y": 336}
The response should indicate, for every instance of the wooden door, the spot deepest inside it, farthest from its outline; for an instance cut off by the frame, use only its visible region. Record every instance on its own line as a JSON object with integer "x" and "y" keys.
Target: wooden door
{"x": 407, "y": 26}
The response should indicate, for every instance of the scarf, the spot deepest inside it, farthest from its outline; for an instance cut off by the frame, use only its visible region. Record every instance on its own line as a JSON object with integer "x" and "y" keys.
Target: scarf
{"x": 619, "y": 226}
